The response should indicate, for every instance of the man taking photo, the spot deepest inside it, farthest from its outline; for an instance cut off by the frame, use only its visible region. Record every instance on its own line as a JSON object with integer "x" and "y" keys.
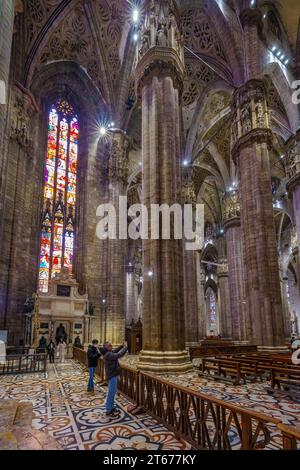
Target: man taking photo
{"x": 112, "y": 371}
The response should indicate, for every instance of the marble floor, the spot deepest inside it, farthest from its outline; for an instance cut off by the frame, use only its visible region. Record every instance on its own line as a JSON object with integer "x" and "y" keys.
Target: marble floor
{"x": 77, "y": 420}
{"x": 250, "y": 395}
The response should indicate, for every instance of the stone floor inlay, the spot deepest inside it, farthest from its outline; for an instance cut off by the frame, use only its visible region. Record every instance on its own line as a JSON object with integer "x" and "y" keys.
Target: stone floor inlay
{"x": 77, "y": 420}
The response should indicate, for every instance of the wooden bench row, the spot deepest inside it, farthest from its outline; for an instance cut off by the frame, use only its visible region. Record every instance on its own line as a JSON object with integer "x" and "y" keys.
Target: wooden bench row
{"x": 285, "y": 378}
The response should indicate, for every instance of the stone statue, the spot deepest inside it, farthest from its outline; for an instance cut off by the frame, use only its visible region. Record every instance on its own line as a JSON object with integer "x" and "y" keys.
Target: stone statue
{"x": 91, "y": 309}
{"x": 28, "y": 305}
{"x": 145, "y": 43}
{"x": 42, "y": 344}
{"x": 60, "y": 334}
{"x": 162, "y": 34}
{"x": 140, "y": 305}
{"x": 246, "y": 120}
{"x": 260, "y": 118}
{"x": 77, "y": 342}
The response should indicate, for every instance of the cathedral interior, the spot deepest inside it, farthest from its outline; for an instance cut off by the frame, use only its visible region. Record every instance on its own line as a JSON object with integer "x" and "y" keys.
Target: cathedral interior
{"x": 150, "y": 102}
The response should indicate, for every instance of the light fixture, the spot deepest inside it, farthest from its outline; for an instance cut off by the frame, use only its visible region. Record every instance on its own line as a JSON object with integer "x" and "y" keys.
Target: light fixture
{"x": 135, "y": 36}
{"x": 103, "y": 131}
{"x": 135, "y": 15}
{"x": 274, "y": 48}
{"x": 185, "y": 163}
{"x": 287, "y": 61}
{"x": 282, "y": 57}
{"x": 150, "y": 273}
{"x": 104, "y": 301}
{"x": 252, "y": 3}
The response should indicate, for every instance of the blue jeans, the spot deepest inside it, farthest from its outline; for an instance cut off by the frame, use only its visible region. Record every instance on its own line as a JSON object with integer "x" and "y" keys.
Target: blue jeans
{"x": 112, "y": 390}
{"x": 91, "y": 378}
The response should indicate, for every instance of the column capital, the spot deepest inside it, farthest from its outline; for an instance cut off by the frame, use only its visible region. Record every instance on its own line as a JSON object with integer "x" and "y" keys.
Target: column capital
{"x": 118, "y": 147}
{"x": 160, "y": 50}
{"x": 293, "y": 161}
{"x": 231, "y": 210}
{"x": 251, "y": 119}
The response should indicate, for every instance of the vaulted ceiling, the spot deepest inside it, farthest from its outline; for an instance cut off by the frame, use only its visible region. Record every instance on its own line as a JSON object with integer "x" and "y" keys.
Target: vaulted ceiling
{"x": 97, "y": 35}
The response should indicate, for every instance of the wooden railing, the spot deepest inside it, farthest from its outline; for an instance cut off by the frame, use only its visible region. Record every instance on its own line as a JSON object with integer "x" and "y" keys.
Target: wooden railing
{"x": 129, "y": 384}
{"x": 291, "y": 436}
{"x": 204, "y": 421}
{"x": 24, "y": 364}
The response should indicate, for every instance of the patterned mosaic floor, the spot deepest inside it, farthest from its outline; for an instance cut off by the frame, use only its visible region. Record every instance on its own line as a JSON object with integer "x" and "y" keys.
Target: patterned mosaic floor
{"x": 77, "y": 420}
{"x": 251, "y": 396}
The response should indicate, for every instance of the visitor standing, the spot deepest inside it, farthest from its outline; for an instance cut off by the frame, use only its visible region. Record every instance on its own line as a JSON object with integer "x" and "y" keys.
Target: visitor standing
{"x": 61, "y": 350}
{"x": 93, "y": 355}
{"x": 112, "y": 371}
{"x": 51, "y": 351}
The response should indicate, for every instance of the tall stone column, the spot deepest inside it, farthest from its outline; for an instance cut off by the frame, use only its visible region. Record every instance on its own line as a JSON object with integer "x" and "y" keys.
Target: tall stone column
{"x": 293, "y": 173}
{"x": 285, "y": 306}
{"x": 115, "y": 301}
{"x": 159, "y": 80}
{"x": 224, "y": 300}
{"x": 131, "y": 297}
{"x": 252, "y": 139}
{"x": 232, "y": 225}
{"x": 190, "y": 279}
{"x": 202, "y": 320}
{"x": 6, "y": 34}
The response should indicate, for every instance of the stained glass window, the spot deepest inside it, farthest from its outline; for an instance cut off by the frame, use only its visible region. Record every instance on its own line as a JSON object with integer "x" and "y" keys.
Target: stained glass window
{"x": 59, "y": 199}
{"x": 212, "y": 311}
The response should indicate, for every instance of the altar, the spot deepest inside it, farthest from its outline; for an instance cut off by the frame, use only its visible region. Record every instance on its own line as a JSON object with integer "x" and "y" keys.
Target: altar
{"x": 64, "y": 312}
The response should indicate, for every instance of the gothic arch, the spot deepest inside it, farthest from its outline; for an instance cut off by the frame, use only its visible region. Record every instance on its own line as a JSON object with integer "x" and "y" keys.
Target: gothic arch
{"x": 223, "y": 28}
{"x": 68, "y": 77}
{"x": 274, "y": 75}
{"x": 212, "y": 88}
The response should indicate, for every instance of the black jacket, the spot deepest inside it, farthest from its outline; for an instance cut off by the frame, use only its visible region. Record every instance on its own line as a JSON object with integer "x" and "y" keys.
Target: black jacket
{"x": 111, "y": 361}
{"x": 93, "y": 355}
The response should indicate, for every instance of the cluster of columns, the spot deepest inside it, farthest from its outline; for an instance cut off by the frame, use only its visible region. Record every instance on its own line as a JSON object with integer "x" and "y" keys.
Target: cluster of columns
{"x": 173, "y": 314}
{"x": 249, "y": 282}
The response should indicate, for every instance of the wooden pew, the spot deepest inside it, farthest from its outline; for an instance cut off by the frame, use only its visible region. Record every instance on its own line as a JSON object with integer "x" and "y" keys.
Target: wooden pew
{"x": 286, "y": 381}
{"x": 227, "y": 370}
{"x": 240, "y": 368}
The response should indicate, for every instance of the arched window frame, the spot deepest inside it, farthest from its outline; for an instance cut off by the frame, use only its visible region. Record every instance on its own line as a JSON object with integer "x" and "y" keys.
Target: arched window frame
{"x": 58, "y": 229}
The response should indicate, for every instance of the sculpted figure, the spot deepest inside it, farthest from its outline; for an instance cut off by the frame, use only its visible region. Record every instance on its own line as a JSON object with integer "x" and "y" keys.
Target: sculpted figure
{"x": 246, "y": 120}
{"x": 162, "y": 34}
